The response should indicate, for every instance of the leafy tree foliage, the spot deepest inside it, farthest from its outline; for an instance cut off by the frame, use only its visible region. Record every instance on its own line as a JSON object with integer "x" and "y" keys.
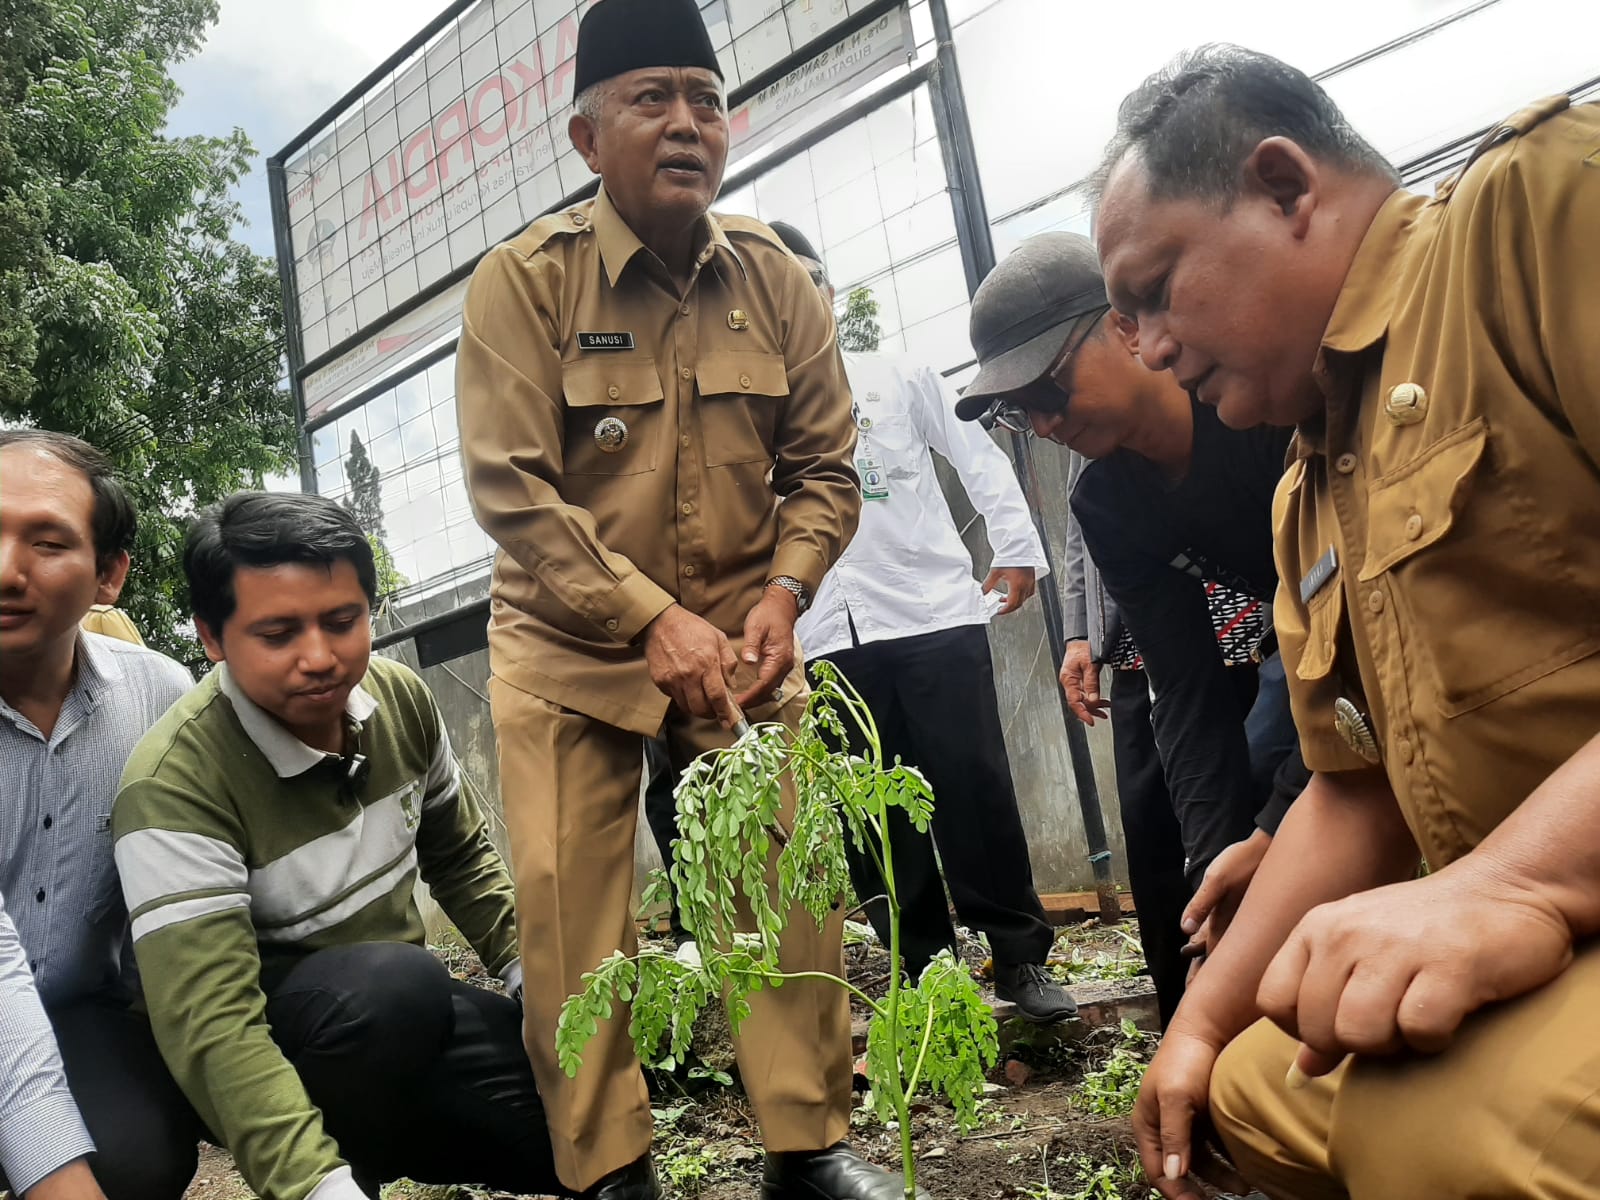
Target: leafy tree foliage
{"x": 129, "y": 314}
{"x": 859, "y": 330}
{"x": 366, "y": 505}
{"x": 366, "y": 487}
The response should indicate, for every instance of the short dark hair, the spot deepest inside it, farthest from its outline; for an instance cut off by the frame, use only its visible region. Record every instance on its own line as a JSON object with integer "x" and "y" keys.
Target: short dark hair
{"x": 113, "y": 519}
{"x": 267, "y": 529}
{"x": 1193, "y": 123}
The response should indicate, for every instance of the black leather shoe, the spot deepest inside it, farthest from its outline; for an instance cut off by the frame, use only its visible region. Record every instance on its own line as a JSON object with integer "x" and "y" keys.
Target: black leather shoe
{"x": 1038, "y": 997}
{"x": 636, "y": 1181}
{"x": 837, "y": 1173}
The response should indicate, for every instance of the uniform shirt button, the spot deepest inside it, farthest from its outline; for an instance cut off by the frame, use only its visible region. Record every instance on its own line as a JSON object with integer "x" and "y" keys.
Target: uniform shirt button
{"x": 49, "y": 821}
{"x": 1345, "y": 464}
{"x": 687, "y": 508}
{"x": 686, "y": 372}
{"x": 1414, "y": 526}
{"x": 684, "y": 440}
{"x": 1375, "y": 601}
{"x": 744, "y": 381}
{"x": 39, "y": 895}
{"x": 689, "y": 570}
{"x": 613, "y": 624}
{"x": 1404, "y": 750}
{"x": 684, "y": 310}
{"x": 613, "y": 391}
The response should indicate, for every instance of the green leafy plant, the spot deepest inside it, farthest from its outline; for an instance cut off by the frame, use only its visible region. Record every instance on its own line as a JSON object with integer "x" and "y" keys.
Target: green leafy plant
{"x": 1111, "y": 1090}
{"x": 1083, "y": 964}
{"x": 935, "y": 1034}
{"x": 1090, "y": 1180}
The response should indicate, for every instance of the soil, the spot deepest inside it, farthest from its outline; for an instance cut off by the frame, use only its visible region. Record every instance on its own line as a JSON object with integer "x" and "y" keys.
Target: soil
{"x": 1036, "y": 1141}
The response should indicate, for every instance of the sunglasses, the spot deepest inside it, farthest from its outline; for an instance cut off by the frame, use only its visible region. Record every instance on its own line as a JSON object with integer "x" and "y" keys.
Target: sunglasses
{"x": 1049, "y": 394}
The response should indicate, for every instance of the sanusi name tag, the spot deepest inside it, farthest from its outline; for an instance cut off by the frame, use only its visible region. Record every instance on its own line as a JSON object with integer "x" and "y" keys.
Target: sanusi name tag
{"x": 605, "y": 341}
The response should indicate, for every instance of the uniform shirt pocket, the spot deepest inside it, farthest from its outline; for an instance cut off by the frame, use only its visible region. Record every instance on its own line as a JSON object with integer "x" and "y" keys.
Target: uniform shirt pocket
{"x": 1410, "y": 509}
{"x": 614, "y": 416}
{"x": 739, "y": 395}
{"x": 1481, "y": 602}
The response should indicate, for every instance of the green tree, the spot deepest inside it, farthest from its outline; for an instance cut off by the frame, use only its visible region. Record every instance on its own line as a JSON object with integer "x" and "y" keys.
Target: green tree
{"x": 366, "y": 505}
{"x": 129, "y": 314}
{"x": 366, "y": 488}
{"x": 859, "y": 330}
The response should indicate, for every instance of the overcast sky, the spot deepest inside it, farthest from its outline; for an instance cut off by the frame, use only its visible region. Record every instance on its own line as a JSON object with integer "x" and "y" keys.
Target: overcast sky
{"x": 272, "y": 67}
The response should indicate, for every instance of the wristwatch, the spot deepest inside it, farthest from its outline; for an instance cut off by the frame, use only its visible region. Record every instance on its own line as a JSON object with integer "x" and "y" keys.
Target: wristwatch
{"x": 801, "y": 593}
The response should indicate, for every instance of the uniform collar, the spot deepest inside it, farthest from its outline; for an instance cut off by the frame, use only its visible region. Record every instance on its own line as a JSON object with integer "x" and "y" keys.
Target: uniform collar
{"x": 288, "y": 755}
{"x": 619, "y": 244}
{"x": 1366, "y": 302}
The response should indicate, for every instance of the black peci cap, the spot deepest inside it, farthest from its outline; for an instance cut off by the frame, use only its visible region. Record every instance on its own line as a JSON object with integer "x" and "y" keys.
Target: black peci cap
{"x": 618, "y": 36}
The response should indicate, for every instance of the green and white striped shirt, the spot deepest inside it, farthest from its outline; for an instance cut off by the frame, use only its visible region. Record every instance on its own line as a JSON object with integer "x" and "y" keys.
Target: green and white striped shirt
{"x": 241, "y": 851}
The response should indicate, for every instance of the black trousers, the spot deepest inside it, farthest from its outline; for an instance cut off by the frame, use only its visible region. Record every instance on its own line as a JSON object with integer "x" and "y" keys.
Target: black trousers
{"x": 1154, "y": 838}
{"x": 144, "y": 1131}
{"x": 934, "y": 701}
{"x": 661, "y": 813}
{"x": 1155, "y": 832}
{"x": 418, "y": 1075}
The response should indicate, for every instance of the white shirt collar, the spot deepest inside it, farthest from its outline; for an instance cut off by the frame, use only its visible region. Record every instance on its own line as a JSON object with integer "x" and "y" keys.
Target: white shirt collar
{"x": 288, "y": 755}
{"x": 97, "y": 662}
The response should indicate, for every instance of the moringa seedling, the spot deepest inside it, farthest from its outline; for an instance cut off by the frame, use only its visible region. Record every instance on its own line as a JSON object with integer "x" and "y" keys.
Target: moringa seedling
{"x": 935, "y": 1034}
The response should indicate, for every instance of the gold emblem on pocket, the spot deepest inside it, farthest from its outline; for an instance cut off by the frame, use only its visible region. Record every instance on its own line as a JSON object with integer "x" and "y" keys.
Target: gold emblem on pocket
{"x": 1407, "y": 403}
{"x": 610, "y": 434}
{"x": 1351, "y": 724}
{"x": 738, "y": 319}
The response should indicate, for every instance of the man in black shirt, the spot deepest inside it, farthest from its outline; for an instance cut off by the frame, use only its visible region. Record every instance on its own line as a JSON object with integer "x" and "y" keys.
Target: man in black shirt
{"x": 1175, "y": 511}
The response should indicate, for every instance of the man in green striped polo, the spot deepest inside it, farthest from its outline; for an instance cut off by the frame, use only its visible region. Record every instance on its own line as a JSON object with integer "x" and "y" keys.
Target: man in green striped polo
{"x": 270, "y": 831}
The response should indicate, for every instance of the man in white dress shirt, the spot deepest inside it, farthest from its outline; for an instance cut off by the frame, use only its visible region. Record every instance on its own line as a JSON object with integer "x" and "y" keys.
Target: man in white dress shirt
{"x": 903, "y": 617}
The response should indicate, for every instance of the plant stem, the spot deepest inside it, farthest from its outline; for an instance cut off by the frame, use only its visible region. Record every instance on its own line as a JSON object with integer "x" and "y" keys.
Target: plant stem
{"x": 875, "y": 1005}
{"x": 922, "y": 1056}
{"x": 902, "y": 1104}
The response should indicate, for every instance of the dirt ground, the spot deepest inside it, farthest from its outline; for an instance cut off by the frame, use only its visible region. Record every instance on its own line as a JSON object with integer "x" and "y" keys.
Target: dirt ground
{"x": 1045, "y": 1133}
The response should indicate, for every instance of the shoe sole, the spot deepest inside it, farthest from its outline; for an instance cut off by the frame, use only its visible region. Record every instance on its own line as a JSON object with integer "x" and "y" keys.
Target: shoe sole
{"x": 776, "y": 1191}
{"x": 1055, "y": 1017}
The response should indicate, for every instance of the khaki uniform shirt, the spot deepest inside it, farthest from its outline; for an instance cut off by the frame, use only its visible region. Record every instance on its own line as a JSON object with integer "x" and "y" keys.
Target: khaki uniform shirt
{"x": 630, "y": 447}
{"x": 111, "y": 622}
{"x": 1456, "y": 484}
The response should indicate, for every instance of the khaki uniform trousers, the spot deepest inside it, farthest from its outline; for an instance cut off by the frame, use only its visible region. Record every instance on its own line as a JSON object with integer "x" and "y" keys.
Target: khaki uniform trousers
{"x": 1510, "y": 1110}
{"x": 571, "y": 788}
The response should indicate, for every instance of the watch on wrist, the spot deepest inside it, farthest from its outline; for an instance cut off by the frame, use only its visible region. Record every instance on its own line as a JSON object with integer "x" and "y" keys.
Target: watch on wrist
{"x": 801, "y": 593}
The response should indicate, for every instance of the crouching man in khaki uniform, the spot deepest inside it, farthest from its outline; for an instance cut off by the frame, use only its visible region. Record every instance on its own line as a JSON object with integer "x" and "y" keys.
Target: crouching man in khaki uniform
{"x": 657, "y": 432}
{"x": 1438, "y": 543}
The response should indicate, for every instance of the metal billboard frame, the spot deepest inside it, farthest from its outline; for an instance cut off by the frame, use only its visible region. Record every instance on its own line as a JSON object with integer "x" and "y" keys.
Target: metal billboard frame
{"x": 277, "y": 183}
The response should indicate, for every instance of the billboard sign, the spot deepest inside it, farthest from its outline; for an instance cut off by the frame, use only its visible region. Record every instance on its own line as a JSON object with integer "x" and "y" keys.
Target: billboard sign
{"x": 465, "y": 142}
{"x": 384, "y": 350}
{"x": 372, "y": 231}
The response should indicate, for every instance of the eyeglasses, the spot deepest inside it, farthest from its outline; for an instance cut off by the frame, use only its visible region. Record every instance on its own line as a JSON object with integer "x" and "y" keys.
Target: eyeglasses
{"x": 1047, "y": 395}
{"x": 1007, "y": 415}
